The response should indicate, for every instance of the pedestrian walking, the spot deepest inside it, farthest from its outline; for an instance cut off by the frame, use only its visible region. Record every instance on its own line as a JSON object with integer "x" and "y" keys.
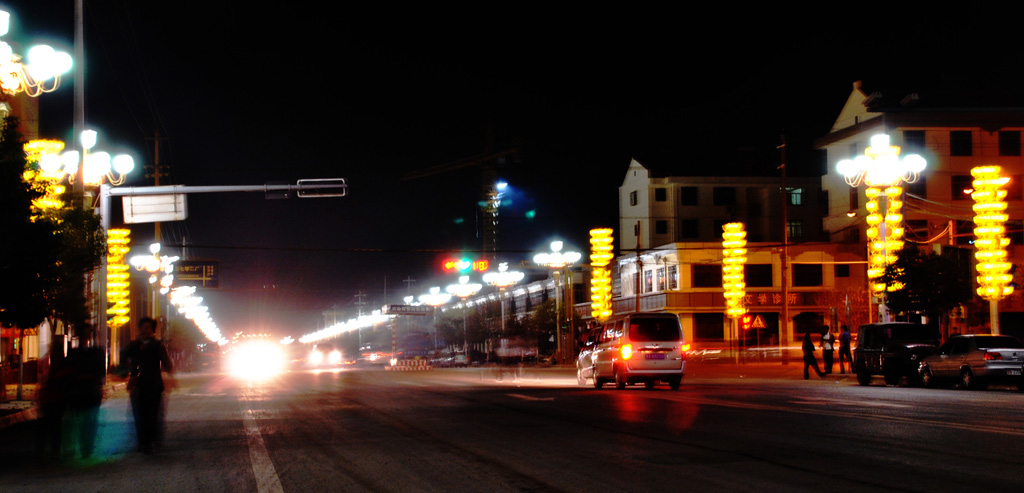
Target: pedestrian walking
{"x": 827, "y": 349}
{"x": 53, "y": 399}
{"x": 809, "y": 359}
{"x": 844, "y": 349}
{"x": 85, "y": 392}
{"x": 147, "y": 359}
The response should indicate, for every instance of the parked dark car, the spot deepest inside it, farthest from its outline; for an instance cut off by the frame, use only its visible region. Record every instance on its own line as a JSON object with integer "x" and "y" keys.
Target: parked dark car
{"x": 893, "y": 350}
{"x": 974, "y": 361}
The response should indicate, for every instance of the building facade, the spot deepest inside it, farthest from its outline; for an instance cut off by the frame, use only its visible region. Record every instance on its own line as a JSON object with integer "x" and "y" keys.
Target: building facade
{"x": 671, "y": 256}
{"x": 954, "y": 134}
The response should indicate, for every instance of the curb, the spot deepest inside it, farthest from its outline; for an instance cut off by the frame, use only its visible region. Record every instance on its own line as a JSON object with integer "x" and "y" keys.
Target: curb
{"x": 29, "y": 414}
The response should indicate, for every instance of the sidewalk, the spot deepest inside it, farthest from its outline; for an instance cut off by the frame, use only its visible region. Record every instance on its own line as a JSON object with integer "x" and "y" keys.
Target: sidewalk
{"x": 14, "y": 411}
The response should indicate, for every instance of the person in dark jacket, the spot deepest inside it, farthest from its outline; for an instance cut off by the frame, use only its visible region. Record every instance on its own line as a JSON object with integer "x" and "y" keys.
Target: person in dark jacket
{"x": 809, "y": 359}
{"x": 147, "y": 359}
{"x": 844, "y": 349}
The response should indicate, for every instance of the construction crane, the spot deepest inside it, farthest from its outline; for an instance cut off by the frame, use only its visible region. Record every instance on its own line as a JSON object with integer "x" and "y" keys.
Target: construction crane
{"x": 492, "y": 191}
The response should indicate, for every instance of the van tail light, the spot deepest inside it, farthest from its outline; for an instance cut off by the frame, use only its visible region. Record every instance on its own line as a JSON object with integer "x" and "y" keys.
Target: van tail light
{"x": 992, "y": 355}
{"x": 684, "y": 348}
{"x": 627, "y": 351}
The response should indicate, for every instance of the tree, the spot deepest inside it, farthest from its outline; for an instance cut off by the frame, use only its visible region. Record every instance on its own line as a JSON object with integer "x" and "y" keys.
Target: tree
{"x": 28, "y": 246}
{"x": 932, "y": 283}
{"x": 45, "y": 262}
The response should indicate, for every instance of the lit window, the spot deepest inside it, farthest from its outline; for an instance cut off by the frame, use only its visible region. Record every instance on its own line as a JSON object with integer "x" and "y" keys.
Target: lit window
{"x": 796, "y": 196}
{"x": 795, "y": 229}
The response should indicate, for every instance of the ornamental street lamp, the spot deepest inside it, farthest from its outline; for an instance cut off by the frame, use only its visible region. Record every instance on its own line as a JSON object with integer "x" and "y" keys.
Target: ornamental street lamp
{"x": 464, "y": 289}
{"x": 160, "y": 269}
{"x": 435, "y": 298}
{"x": 502, "y": 280}
{"x": 734, "y": 255}
{"x": 557, "y": 261}
{"x": 990, "y": 244}
{"x": 40, "y": 75}
{"x": 882, "y": 170}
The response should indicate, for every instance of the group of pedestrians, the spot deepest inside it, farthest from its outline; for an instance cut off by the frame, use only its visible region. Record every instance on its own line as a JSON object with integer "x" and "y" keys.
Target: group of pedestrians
{"x": 73, "y": 387}
{"x": 828, "y": 340}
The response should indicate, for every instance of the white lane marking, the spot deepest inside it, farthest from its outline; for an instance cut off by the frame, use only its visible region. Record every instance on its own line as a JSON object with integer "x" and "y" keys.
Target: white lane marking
{"x": 262, "y": 467}
{"x": 823, "y": 401}
{"x": 529, "y": 398}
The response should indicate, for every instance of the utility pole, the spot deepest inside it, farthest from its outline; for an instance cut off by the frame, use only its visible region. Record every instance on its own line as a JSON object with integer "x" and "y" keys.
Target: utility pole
{"x": 784, "y": 259}
{"x": 639, "y": 266}
{"x": 157, "y": 237}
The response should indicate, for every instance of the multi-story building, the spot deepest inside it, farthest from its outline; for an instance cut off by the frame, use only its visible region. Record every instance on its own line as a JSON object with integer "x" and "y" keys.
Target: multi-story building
{"x": 954, "y": 133}
{"x": 677, "y": 266}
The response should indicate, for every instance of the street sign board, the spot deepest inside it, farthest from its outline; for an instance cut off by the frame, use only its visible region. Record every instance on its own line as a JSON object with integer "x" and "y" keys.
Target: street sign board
{"x": 322, "y": 187}
{"x": 198, "y": 273}
{"x": 408, "y": 310}
{"x": 154, "y": 208}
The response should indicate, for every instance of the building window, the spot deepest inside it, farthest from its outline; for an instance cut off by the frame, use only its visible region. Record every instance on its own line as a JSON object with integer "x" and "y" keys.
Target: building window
{"x": 661, "y": 279}
{"x": 707, "y": 276}
{"x": 648, "y": 281}
{"x": 1009, "y": 143}
{"x": 796, "y": 196}
{"x": 795, "y": 229}
{"x": 724, "y": 196}
{"x": 919, "y": 188}
{"x": 758, "y": 275}
{"x": 688, "y": 196}
{"x": 689, "y": 229}
{"x": 661, "y": 227}
{"x": 673, "y": 277}
{"x": 964, "y": 233}
{"x": 913, "y": 140}
{"x": 842, "y": 270}
{"x": 660, "y": 194}
{"x": 632, "y": 198}
{"x": 807, "y": 275}
{"x": 960, "y": 143}
{"x": 719, "y": 223}
{"x": 961, "y": 187}
{"x": 708, "y": 326}
{"x": 1015, "y": 230}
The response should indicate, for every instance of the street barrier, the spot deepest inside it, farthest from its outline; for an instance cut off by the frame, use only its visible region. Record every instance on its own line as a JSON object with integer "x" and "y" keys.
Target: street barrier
{"x": 409, "y": 365}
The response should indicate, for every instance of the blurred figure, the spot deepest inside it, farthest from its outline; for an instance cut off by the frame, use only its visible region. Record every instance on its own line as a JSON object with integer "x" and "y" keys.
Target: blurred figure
{"x": 147, "y": 358}
{"x": 54, "y": 376}
{"x": 809, "y": 359}
{"x": 87, "y": 364}
{"x": 844, "y": 349}
{"x": 827, "y": 349}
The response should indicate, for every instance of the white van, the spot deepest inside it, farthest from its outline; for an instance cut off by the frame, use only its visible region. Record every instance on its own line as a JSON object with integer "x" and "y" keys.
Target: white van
{"x": 633, "y": 348}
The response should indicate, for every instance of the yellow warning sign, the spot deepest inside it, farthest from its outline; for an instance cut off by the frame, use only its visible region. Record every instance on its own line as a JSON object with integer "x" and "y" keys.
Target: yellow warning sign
{"x": 758, "y": 323}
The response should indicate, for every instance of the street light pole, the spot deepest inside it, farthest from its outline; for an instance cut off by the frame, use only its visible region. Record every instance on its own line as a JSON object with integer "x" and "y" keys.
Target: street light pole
{"x": 558, "y": 260}
{"x": 502, "y": 280}
{"x": 464, "y": 289}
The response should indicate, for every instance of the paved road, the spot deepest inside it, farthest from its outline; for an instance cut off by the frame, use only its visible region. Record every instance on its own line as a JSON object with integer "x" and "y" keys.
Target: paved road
{"x": 462, "y": 430}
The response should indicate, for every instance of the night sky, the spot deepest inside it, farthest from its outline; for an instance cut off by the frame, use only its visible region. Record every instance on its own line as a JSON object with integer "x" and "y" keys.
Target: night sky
{"x": 247, "y": 96}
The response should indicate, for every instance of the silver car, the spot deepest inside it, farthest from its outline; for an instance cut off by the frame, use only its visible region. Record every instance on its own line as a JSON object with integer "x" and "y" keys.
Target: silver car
{"x": 629, "y": 349}
{"x": 973, "y": 361}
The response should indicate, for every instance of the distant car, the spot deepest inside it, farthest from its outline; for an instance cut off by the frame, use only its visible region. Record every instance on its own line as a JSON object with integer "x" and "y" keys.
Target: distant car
{"x": 893, "y": 350}
{"x": 634, "y": 348}
{"x": 974, "y": 361}
{"x": 324, "y": 355}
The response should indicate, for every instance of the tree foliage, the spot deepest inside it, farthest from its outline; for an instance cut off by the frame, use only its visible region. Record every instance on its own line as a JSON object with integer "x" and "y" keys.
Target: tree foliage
{"x": 28, "y": 246}
{"x": 43, "y": 262}
{"x": 932, "y": 283}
